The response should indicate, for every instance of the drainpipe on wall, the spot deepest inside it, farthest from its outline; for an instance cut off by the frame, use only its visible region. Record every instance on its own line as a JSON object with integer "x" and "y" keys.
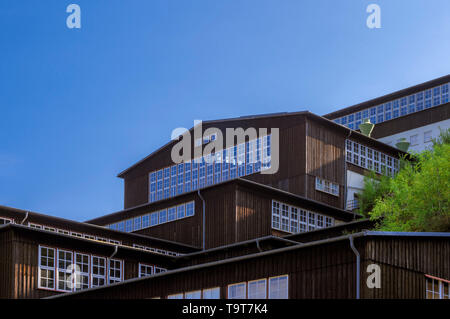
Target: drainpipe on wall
{"x": 115, "y": 251}
{"x": 204, "y": 223}
{"x": 23, "y": 221}
{"x": 358, "y": 266}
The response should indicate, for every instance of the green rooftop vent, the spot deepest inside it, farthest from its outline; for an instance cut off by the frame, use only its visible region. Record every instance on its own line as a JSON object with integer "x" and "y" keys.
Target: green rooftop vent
{"x": 366, "y": 127}
{"x": 402, "y": 145}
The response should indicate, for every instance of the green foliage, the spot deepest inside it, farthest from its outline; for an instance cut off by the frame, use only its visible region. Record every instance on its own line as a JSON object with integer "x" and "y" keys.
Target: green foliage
{"x": 417, "y": 199}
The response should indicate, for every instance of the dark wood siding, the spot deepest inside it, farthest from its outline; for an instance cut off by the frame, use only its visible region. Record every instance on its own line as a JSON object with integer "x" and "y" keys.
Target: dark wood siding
{"x": 327, "y": 270}
{"x": 412, "y": 121}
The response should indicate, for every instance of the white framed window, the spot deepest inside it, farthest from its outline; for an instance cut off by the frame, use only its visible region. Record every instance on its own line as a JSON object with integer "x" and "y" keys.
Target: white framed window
{"x": 115, "y": 271}
{"x": 36, "y": 226}
{"x": 4, "y": 221}
{"x": 82, "y": 261}
{"x": 329, "y": 187}
{"x": 193, "y": 295}
{"x": 237, "y": 291}
{"x": 98, "y": 273}
{"x": 275, "y": 215}
{"x": 365, "y": 157}
{"x": 145, "y": 270}
{"x": 46, "y": 275}
{"x": 159, "y": 269}
{"x": 47, "y": 228}
{"x": 172, "y": 213}
{"x": 176, "y": 296}
{"x": 257, "y": 289}
{"x": 437, "y": 288}
{"x": 293, "y": 219}
{"x": 279, "y": 287}
{"x": 64, "y": 270}
{"x": 190, "y": 209}
{"x": 211, "y": 293}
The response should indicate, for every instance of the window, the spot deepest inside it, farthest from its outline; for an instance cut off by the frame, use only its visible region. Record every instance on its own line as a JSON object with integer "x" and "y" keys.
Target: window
{"x": 172, "y": 213}
{"x": 437, "y": 288}
{"x": 82, "y": 263}
{"x": 145, "y": 270}
{"x": 180, "y": 211}
{"x": 327, "y": 186}
{"x": 98, "y": 274}
{"x": 284, "y": 217}
{"x": 64, "y": 272}
{"x": 46, "y": 268}
{"x": 427, "y": 136}
{"x": 278, "y": 287}
{"x": 137, "y": 223}
{"x": 237, "y": 291}
{"x": 145, "y": 221}
{"x": 4, "y": 221}
{"x": 193, "y": 295}
{"x": 257, "y": 289}
{"x": 129, "y": 225}
{"x": 211, "y": 293}
{"x": 414, "y": 139}
{"x": 153, "y": 219}
{"x": 190, "y": 211}
{"x": 293, "y": 219}
{"x": 275, "y": 215}
{"x": 175, "y": 296}
{"x": 159, "y": 269}
{"x": 115, "y": 271}
{"x": 368, "y": 158}
{"x": 163, "y": 216}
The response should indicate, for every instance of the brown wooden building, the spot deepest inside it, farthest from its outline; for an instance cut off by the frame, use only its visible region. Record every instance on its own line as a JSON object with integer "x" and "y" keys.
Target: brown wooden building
{"x": 391, "y": 265}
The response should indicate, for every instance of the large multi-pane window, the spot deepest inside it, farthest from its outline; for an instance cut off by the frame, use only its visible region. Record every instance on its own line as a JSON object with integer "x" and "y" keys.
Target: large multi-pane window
{"x": 236, "y": 161}
{"x": 211, "y": 293}
{"x": 437, "y": 288}
{"x": 400, "y": 107}
{"x": 64, "y": 270}
{"x": 272, "y": 288}
{"x": 294, "y": 219}
{"x": 82, "y": 262}
{"x": 46, "y": 268}
{"x": 237, "y": 291}
{"x": 193, "y": 294}
{"x": 98, "y": 274}
{"x": 257, "y": 289}
{"x": 115, "y": 271}
{"x": 371, "y": 159}
{"x": 278, "y": 287}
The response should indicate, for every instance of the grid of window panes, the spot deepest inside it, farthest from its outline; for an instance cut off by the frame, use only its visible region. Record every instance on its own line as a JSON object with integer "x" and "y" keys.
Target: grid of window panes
{"x": 437, "y": 289}
{"x": 327, "y": 186}
{"x": 293, "y": 219}
{"x": 370, "y": 159}
{"x": 155, "y": 218}
{"x": 58, "y": 266}
{"x": 399, "y": 107}
{"x": 236, "y": 161}
{"x": 157, "y": 250}
{"x": 264, "y": 288}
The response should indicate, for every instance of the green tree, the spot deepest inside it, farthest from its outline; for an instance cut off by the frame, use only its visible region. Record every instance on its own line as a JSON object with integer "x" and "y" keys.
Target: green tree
{"x": 417, "y": 198}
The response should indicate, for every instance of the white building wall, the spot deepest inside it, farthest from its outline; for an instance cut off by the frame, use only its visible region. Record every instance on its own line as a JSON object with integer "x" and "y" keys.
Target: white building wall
{"x": 420, "y": 138}
{"x": 355, "y": 184}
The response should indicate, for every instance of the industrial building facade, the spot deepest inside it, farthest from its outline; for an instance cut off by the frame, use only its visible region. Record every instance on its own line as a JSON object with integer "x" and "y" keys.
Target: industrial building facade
{"x": 216, "y": 226}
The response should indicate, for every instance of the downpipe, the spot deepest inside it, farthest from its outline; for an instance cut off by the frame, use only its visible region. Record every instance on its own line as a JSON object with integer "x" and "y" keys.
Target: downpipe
{"x": 358, "y": 266}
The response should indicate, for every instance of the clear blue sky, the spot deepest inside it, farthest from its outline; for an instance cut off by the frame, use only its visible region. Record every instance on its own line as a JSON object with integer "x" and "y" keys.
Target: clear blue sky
{"x": 79, "y": 106}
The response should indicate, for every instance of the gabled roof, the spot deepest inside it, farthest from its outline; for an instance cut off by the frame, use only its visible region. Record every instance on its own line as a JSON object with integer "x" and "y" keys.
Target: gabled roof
{"x": 324, "y": 120}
